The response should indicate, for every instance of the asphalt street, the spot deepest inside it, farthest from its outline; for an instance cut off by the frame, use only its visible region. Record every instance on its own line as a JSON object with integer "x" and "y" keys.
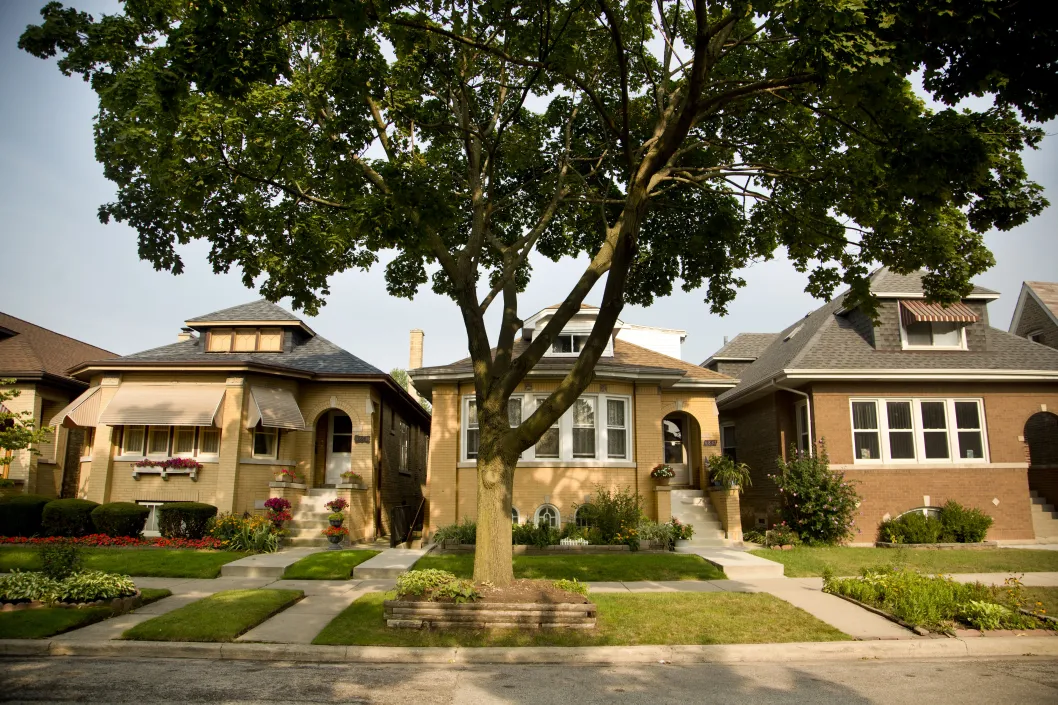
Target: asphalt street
{"x": 84, "y": 680}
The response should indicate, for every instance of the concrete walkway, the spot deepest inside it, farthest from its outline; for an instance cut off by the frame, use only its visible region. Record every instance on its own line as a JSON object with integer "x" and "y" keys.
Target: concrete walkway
{"x": 389, "y": 564}
{"x": 324, "y": 600}
{"x": 737, "y": 564}
{"x": 266, "y": 565}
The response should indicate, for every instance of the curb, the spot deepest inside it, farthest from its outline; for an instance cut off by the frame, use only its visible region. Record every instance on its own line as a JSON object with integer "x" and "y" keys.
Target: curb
{"x": 725, "y": 653}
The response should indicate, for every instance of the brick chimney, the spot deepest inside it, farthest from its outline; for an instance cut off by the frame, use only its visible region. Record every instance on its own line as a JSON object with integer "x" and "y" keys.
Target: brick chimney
{"x": 185, "y": 334}
{"x": 415, "y": 357}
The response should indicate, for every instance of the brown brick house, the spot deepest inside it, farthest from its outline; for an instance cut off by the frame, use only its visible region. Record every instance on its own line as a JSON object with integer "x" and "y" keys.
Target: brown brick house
{"x": 247, "y": 392}
{"x": 39, "y": 360}
{"x": 1036, "y": 315}
{"x": 925, "y": 405}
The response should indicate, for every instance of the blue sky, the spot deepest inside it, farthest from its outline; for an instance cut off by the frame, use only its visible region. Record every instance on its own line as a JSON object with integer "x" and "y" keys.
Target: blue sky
{"x": 65, "y": 271}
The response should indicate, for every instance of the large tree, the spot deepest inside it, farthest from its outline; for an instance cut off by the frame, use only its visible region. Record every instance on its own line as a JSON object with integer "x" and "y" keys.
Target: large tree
{"x": 668, "y": 141}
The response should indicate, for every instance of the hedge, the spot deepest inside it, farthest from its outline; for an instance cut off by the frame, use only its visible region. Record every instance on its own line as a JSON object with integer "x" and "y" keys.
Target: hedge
{"x": 68, "y": 517}
{"x": 20, "y": 514}
{"x": 185, "y": 520}
{"x": 120, "y": 518}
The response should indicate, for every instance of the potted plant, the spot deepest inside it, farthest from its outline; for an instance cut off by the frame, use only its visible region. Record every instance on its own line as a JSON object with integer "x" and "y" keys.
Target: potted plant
{"x": 681, "y": 533}
{"x": 335, "y": 535}
{"x": 663, "y": 473}
{"x": 725, "y": 472}
{"x": 337, "y": 506}
{"x": 352, "y": 478}
{"x": 278, "y": 511}
{"x": 286, "y": 475}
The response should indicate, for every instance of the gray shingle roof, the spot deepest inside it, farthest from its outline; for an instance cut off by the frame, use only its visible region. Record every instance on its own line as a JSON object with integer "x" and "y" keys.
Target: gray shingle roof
{"x": 262, "y": 310}
{"x": 825, "y": 341}
{"x": 316, "y": 355}
{"x": 744, "y": 346}
{"x": 1047, "y": 292}
{"x": 885, "y": 281}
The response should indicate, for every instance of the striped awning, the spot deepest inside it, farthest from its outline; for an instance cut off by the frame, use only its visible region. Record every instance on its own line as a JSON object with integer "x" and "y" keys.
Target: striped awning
{"x": 914, "y": 311}
{"x": 82, "y": 411}
{"x": 274, "y": 408}
{"x": 164, "y": 405}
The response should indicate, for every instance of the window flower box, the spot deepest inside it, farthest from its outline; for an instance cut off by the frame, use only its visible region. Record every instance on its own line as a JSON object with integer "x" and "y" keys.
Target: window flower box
{"x": 165, "y": 468}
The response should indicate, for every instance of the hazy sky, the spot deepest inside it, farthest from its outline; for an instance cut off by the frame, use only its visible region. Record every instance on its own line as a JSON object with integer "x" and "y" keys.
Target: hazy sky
{"x": 63, "y": 270}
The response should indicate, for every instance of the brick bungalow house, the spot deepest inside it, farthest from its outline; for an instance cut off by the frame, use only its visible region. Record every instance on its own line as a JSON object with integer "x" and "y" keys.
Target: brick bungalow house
{"x": 643, "y": 408}
{"x": 926, "y": 405}
{"x": 1036, "y": 315}
{"x": 247, "y": 392}
{"x": 38, "y": 360}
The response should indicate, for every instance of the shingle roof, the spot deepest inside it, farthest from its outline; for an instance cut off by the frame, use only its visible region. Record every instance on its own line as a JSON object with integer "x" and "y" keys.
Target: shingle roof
{"x": 627, "y": 358}
{"x": 316, "y": 355}
{"x": 35, "y": 350}
{"x": 262, "y": 310}
{"x": 885, "y": 281}
{"x": 826, "y": 341}
{"x": 744, "y": 346}
{"x": 1047, "y": 293}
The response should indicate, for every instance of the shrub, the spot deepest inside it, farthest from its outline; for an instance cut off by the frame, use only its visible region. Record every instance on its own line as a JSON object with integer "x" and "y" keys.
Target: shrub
{"x": 818, "y": 503}
{"x": 753, "y": 536}
{"x": 913, "y": 527}
{"x": 60, "y": 560}
{"x": 248, "y": 533}
{"x": 964, "y": 525}
{"x": 92, "y": 585}
{"x": 185, "y": 520}
{"x": 574, "y": 586}
{"x": 679, "y": 530}
{"x": 467, "y": 532}
{"x": 120, "y": 518}
{"x": 68, "y": 517}
{"x": 541, "y": 535}
{"x": 26, "y": 587}
{"x": 781, "y": 535}
{"x": 614, "y": 512}
{"x": 459, "y": 591}
{"x": 20, "y": 514}
{"x": 725, "y": 472}
{"x": 422, "y": 582}
{"x": 650, "y": 530}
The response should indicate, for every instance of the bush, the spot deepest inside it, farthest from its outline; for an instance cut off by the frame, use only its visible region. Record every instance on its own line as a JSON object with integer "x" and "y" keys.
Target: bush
{"x": 541, "y": 535}
{"x": 68, "y": 517}
{"x": 422, "y": 582}
{"x": 574, "y": 586}
{"x": 60, "y": 560}
{"x": 650, "y": 530}
{"x": 185, "y": 520}
{"x": 467, "y": 532}
{"x": 964, "y": 525}
{"x": 615, "y": 513}
{"x": 248, "y": 533}
{"x": 818, "y": 503}
{"x": 781, "y": 535}
{"x": 120, "y": 518}
{"x": 26, "y": 587}
{"x": 20, "y": 514}
{"x": 913, "y": 527}
{"x": 753, "y": 536}
{"x": 459, "y": 591}
{"x": 92, "y": 585}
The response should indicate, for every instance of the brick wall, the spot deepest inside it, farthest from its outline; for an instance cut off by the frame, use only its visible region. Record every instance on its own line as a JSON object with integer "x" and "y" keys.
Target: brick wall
{"x": 400, "y": 486}
{"x": 1034, "y": 318}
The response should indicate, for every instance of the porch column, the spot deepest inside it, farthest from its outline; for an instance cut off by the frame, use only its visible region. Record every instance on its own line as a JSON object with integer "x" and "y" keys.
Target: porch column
{"x": 230, "y": 434}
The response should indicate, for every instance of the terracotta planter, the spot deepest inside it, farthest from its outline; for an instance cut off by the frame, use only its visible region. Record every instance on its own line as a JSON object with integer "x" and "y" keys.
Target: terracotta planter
{"x": 662, "y": 481}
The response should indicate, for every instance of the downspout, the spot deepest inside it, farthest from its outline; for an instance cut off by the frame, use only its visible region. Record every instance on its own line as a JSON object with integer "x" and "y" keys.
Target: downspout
{"x": 808, "y": 405}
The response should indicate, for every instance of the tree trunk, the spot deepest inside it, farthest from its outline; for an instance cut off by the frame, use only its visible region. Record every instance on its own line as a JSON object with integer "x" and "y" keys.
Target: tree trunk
{"x": 492, "y": 554}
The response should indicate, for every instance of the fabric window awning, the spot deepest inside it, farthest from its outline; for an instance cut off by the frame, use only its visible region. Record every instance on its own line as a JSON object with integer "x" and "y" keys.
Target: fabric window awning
{"x": 274, "y": 408}
{"x": 164, "y": 405}
{"x": 922, "y": 312}
{"x": 82, "y": 411}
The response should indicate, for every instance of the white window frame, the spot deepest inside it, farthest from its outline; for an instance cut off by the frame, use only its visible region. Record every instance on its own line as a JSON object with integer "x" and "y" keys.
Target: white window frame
{"x": 154, "y": 510}
{"x": 605, "y": 400}
{"x": 203, "y": 430}
{"x": 147, "y": 441}
{"x": 541, "y": 509}
{"x": 804, "y": 427}
{"x": 253, "y": 442}
{"x": 176, "y": 431}
{"x": 573, "y": 332}
{"x": 904, "y": 344}
{"x": 918, "y": 431}
{"x": 143, "y": 442}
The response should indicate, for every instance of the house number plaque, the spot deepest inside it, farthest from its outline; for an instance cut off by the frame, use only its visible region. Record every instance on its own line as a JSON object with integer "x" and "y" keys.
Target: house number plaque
{"x": 362, "y": 439}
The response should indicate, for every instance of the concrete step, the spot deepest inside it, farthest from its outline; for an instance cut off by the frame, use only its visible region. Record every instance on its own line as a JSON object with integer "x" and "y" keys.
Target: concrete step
{"x": 264, "y": 565}
{"x": 737, "y": 565}
{"x": 305, "y": 542}
{"x": 389, "y": 564}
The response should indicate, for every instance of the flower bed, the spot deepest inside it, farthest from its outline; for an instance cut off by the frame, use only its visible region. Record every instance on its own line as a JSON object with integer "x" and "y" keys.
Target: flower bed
{"x": 104, "y": 541}
{"x": 88, "y": 588}
{"x": 644, "y": 546}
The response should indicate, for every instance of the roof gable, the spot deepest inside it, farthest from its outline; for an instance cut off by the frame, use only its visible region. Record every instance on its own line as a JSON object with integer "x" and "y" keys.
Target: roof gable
{"x": 34, "y": 349}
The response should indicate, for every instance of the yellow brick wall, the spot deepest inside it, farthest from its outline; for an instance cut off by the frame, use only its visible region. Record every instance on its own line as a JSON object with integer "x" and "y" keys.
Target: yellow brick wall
{"x": 177, "y": 488}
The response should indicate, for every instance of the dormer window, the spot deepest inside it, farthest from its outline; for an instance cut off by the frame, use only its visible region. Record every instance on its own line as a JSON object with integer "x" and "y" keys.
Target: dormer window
{"x": 926, "y": 326}
{"x": 568, "y": 344}
{"x": 244, "y": 340}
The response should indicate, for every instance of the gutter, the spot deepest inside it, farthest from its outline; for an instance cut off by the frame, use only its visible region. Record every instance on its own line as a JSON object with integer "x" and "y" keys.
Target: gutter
{"x": 808, "y": 404}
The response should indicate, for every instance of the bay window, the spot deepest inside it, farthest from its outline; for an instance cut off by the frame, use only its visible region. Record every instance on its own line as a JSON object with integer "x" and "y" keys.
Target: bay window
{"x": 584, "y": 427}
{"x": 933, "y": 430}
{"x": 168, "y": 442}
{"x": 158, "y": 440}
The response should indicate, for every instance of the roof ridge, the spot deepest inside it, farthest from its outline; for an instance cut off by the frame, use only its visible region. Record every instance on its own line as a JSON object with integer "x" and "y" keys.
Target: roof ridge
{"x": 689, "y": 367}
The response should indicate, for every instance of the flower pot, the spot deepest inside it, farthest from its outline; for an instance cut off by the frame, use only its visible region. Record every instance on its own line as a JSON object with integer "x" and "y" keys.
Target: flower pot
{"x": 335, "y": 541}
{"x": 663, "y": 481}
{"x": 682, "y": 543}
{"x": 282, "y": 478}
{"x": 336, "y": 522}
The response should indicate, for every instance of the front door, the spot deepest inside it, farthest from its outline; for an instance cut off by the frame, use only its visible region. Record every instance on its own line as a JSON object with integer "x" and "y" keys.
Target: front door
{"x": 676, "y": 450}
{"x": 339, "y": 446}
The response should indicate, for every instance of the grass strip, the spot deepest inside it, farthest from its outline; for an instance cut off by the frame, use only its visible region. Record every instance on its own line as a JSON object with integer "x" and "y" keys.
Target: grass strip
{"x": 589, "y": 568}
{"x": 803, "y": 562}
{"x": 327, "y": 565}
{"x": 623, "y": 620}
{"x": 222, "y": 616}
{"x": 49, "y": 621}
{"x": 1041, "y": 598}
{"x": 142, "y": 562}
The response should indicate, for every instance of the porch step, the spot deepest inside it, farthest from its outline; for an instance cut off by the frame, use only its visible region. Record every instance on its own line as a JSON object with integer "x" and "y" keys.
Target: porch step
{"x": 1044, "y": 518}
{"x": 264, "y": 565}
{"x": 692, "y": 507}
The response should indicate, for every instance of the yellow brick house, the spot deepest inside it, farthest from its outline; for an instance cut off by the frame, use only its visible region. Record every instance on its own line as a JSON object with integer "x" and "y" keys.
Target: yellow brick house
{"x": 242, "y": 395}
{"x": 643, "y": 408}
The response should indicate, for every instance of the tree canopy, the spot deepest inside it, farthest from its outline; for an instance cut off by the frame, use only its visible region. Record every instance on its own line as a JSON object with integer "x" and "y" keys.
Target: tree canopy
{"x": 670, "y": 142}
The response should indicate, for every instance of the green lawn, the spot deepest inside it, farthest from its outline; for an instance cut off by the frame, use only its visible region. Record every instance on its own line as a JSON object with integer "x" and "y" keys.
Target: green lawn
{"x": 222, "y": 616}
{"x": 49, "y": 621}
{"x": 589, "y": 568}
{"x": 1048, "y": 596}
{"x": 328, "y": 565}
{"x": 143, "y": 562}
{"x": 624, "y": 620}
{"x": 809, "y": 562}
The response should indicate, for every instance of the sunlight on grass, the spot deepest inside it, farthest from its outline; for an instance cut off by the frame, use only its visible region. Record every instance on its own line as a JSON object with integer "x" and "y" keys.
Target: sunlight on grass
{"x": 49, "y": 621}
{"x": 219, "y": 617}
{"x": 589, "y": 568}
{"x": 806, "y": 562}
{"x": 143, "y": 562}
{"x": 327, "y": 565}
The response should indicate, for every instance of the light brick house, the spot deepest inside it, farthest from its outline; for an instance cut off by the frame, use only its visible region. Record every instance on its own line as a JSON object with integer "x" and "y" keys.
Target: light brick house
{"x": 643, "y": 408}
{"x": 925, "y": 405}
{"x": 38, "y": 360}
{"x": 246, "y": 392}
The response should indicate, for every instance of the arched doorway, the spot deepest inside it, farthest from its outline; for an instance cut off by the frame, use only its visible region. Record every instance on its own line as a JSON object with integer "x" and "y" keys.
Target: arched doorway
{"x": 334, "y": 447}
{"x": 1041, "y": 436}
{"x": 681, "y": 440}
